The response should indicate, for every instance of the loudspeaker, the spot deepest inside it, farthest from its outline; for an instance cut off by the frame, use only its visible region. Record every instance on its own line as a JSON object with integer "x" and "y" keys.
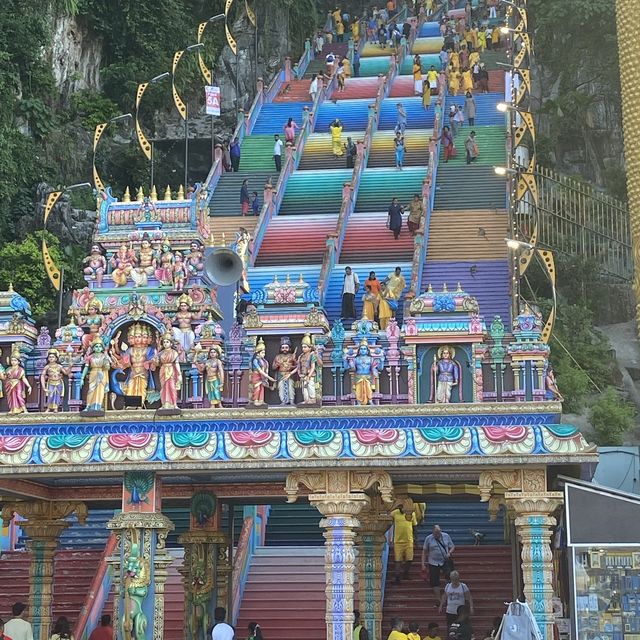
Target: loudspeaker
{"x": 223, "y": 266}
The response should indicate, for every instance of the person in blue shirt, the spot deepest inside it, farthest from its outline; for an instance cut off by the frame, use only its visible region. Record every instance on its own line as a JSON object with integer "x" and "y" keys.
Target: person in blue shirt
{"x": 255, "y": 205}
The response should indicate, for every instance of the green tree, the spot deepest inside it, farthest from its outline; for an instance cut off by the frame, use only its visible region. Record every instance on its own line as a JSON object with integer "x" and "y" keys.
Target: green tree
{"x": 611, "y": 417}
{"x": 21, "y": 264}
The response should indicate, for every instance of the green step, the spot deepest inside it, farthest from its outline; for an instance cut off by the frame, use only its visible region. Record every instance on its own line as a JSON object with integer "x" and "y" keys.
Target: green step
{"x": 379, "y": 186}
{"x": 469, "y": 187}
{"x": 256, "y": 153}
{"x": 491, "y": 142}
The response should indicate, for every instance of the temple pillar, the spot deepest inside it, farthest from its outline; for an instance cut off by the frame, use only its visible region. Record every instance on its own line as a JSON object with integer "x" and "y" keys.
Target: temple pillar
{"x": 534, "y": 526}
{"x": 44, "y": 523}
{"x": 375, "y": 521}
{"x": 339, "y": 496}
{"x": 205, "y": 570}
{"x": 140, "y": 559}
{"x": 527, "y": 497}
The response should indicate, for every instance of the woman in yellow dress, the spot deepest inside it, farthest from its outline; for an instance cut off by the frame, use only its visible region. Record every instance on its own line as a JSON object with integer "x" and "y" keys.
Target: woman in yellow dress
{"x": 454, "y": 82}
{"x": 417, "y": 76}
{"x": 495, "y": 38}
{"x": 384, "y": 310}
{"x": 474, "y": 57}
{"x": 467, "y": 81}
{"x": 336, "y": 134}
{"x": 369, "y": 303}
{"x": 454, "y": 60}
{"x": 426, "y": 96}
{"x": 346, "y": 63}
{"x": 482, "y": 40}
{"x": 97, "y": 366}
{"x": 355, "y": 30}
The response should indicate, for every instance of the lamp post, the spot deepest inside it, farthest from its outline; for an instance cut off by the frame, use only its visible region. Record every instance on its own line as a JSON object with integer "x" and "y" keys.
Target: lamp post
{"x": 97, "y": 134}
{"x": 183, "y": 107}
{"x": 146, "y": 147}
{"x": 207, "y": 73}
{"x": 56, "y": 274}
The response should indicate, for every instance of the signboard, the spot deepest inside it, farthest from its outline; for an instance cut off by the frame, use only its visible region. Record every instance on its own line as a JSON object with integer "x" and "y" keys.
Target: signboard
{"x": 212, "y": 95}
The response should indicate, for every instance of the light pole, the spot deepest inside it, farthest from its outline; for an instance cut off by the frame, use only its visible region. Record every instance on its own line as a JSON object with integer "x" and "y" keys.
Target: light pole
{"x": 183, "y": 108}
{"x": 207, "y": 73}
{"x": 56, "y": 274}
{"x": 97, "y": 134}
{"x": 142, "y": 139}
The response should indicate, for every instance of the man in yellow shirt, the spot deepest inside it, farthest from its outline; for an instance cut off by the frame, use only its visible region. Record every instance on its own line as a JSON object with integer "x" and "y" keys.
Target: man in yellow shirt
{"x": 403, "y": 524}
{"x": 396, "y": 631}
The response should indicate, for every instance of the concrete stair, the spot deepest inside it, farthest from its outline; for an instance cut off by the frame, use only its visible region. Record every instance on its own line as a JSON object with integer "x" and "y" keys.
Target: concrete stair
{"x": 226, "y": 197}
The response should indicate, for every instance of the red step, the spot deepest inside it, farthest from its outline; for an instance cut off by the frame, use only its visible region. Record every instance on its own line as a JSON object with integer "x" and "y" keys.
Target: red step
{"x": 295, "y": 240}
{"x": 496, "y": 81}
{"x": 294, "y": 91}
{"x": 285, "y": 591}
{"x": 174, "y": 599}
{"x": 486, "y": 570}
{"x": 402, "y": 87}
{"x": 358, "y": 88}
{"x": 368, "y": 235}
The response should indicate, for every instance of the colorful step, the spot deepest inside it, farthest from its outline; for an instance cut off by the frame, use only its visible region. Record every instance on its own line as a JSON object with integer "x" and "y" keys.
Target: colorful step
{"x": 256, "y": 153}
{"x": 367, "y": 234}
{"x": 476, "y": 235}
{"x": 416, "y": 143}
{"x": 358, "y": 88}
{"x": 379, "y": 186}
{"x": 295, "y": 524}
{"x": 294, "y": 91}
{"x": 274, "y": 115}
{"x": 491, "y": 143}
{"x": 318, "y": 151}
{"x": 309, "y": 235}
{"x": 469, "y": 187}
{"x": 486, "y": 280}
{"x": 314, "y": 192}
{"x": 225, "y": 201}
{"x": 486, "y": 111}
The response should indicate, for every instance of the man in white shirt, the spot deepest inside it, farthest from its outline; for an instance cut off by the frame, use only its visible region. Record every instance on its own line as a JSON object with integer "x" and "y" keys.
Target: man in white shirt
{"x": 277, "y": 152}
{"x": 18, "y": 628}
{"x": 313, "y": 88}
{"x": 436, "y": 552}
{"x": 349, "y": 289}
{"x": 221, "y": 630}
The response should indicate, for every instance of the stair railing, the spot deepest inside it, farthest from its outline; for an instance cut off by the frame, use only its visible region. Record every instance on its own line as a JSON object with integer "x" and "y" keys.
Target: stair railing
{"x": 98, "y": 594}
{"x": 252, "y": 535}
{"x": 292, "y": 160}
{"x": 428, "y": 198}
{"x": 335, "y": 240}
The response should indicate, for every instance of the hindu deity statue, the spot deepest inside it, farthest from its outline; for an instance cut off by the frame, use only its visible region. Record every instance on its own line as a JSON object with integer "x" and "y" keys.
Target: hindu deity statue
{"x": 16, "y": 385}
{"x": 122, "y": 262}
{"x": 164, "y": 271}
{"x": 168, "y": 359}
{"x": 366, "y": 363}
{"x": 93, "y": 320}
{"x": 184, "y": 318}
{"x": 136, "y": 356}
{"x": 136, "y": 580}
{"x": 445, "y": 374}
{"x": 147, "y": 212}
{"x": 242, "y": 246}
{"x": 284, "y": 365}
{"x": 213, "y": 370}
{"x": 259, "y": 377}
{"x": 96, "y": 265}
{"x": 310, "y": 371}
{"x": 179, "y": 272}
{"x": 52, "y": 381}
{"x": 97, "y": 365}
{"x": 195, "y": 259}
{"x": 146, "y": 263}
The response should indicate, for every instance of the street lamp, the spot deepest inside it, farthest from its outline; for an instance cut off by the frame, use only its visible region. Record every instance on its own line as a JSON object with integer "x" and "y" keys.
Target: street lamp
{"x": 147, "y": 148}
{"x": 182, "y": 107}
{"x": 56, "y": 274}
{"x": 97, "y": 134}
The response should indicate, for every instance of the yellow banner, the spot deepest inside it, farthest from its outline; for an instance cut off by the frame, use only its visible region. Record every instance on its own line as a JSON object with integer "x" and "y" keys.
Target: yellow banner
{"x": 51, "y": 201}
{"x": 230, "y": 39}
{"x": 180, "y": 105}
{"x": 97, "y": 134}
{"x": 142, "y": 140}
{"x": 52, "y": 270}
{"x": 250, "y": 14}
{"x": 204, "y": 70}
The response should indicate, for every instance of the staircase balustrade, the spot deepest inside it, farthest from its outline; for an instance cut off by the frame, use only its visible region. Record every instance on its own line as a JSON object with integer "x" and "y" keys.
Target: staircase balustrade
{"x": 428, "y": 198}
{"x": 98, "y": 594}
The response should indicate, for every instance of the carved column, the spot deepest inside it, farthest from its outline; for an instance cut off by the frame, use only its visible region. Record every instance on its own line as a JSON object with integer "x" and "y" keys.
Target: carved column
{"x": 43, "y": 525}
{"x": 628, "y": 23}
{"x": 205, "y": 570}
{"x": 534, "y": 525}
{"x": 339, "y": 496}
{"x": 140, "y": 560}
{"x": 527, "y": 495}
{"x": 375, "y": 521}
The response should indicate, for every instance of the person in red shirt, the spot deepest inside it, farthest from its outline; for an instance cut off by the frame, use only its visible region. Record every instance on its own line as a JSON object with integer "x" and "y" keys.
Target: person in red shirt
{"x": 2, "y": 636}
{"x": 104, "y": 631}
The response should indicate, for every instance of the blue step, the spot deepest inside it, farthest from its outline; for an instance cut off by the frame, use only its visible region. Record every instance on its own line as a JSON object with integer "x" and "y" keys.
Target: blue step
{"x": 429, "y": 30}
{"x": 487, "y": 280}
{"x": 458, "y": 518}
{"x": 486, "y": 111}
{"x": 417, "y": 117}
{"x": 353, "y": 114}
{"x": 333, "y": 300}
{"x": 274, "y": 115}
{"x": 93, "y": 535}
